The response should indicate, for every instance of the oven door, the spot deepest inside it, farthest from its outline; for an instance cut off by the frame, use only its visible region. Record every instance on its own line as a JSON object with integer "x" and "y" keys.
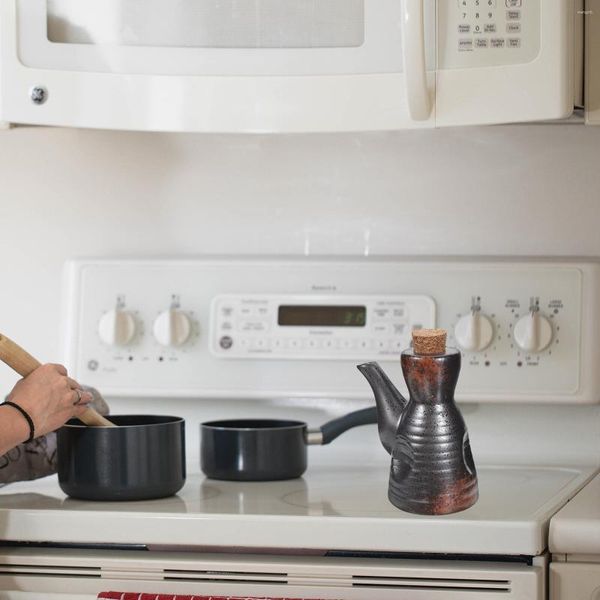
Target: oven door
{"x": 219, "y": 65}
{"x": 84, "y": 574}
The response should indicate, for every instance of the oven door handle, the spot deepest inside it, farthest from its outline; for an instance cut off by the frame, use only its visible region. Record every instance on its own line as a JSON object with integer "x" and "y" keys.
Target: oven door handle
{"x": 415, "y": 70}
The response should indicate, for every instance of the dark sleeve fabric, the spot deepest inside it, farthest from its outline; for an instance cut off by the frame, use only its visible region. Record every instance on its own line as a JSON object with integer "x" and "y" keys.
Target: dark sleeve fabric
{"x": 31, "y": 460}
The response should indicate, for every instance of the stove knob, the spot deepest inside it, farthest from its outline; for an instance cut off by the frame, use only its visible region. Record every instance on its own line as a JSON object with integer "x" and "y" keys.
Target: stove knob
{"x": 533, "y": 333}
{"x": 117, "y": 327}
{"x": 474, "y": 332}
{"x": 172, "y": 328}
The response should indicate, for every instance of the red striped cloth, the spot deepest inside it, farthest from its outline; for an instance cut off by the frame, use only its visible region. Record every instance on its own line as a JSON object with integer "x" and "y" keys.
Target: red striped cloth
{"x": 138, "y": 596}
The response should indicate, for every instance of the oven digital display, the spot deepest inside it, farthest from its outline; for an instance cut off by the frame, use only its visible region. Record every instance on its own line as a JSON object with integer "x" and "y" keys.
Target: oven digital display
{"x": 322, "y": 316}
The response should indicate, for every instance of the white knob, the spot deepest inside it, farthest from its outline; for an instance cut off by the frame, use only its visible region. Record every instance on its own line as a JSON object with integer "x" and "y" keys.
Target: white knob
{"x": 117, "y": 327}
{"x": 533, "y": 333}
{"x": 474, "y": 332}
{"x": 172, "y": 328}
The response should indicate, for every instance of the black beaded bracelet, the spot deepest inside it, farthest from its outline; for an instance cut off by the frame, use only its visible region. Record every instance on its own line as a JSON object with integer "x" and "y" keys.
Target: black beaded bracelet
{"x": 26, "y": 415}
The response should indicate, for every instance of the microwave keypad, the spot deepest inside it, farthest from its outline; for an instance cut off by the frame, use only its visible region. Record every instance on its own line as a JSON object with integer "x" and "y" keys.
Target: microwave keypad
{"x": 483, "y": 33}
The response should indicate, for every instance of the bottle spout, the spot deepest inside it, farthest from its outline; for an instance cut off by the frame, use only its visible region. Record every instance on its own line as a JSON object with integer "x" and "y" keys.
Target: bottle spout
{"x": 390, "y": 402}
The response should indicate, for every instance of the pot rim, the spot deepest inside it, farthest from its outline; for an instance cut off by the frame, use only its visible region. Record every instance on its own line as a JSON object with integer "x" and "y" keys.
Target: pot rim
{"x": 270, "y": 425}
{"x": 170, "y": 420}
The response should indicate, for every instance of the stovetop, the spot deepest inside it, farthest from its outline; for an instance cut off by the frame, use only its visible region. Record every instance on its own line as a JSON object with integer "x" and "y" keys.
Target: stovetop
{"x": 342, "y": 508}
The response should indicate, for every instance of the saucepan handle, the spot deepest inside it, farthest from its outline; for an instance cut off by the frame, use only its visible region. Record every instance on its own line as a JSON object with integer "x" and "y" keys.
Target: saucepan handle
{"x": 332, "y": 429}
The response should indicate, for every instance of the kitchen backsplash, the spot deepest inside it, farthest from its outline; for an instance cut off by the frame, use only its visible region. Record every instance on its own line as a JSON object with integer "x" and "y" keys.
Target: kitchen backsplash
{"x": 528, "y": 190}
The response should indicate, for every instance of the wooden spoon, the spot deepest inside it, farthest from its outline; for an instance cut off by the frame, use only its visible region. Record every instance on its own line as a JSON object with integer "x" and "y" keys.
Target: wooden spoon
{"x": 23, "y": 363}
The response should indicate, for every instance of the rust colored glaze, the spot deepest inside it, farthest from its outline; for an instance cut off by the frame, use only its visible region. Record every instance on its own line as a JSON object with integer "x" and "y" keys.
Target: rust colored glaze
{"x": 432, "y": 470}
{"x": 459, "y": 496}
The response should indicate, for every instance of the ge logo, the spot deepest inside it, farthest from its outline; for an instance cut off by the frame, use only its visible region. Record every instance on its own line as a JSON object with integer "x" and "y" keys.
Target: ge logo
{"x": 38, "y": 95}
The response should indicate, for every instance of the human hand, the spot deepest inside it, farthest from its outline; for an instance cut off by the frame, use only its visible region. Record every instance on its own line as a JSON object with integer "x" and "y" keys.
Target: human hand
{"x": 50, "y": 398}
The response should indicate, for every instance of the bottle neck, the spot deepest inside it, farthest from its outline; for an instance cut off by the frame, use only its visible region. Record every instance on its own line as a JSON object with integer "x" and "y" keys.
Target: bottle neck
{"x": 431, "y": 379}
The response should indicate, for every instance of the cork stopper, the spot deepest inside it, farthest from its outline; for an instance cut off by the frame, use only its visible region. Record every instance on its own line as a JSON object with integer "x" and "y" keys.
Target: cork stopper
{"x": 429, "y": 341}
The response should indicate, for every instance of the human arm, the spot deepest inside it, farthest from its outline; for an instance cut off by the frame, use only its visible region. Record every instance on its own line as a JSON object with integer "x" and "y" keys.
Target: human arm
{"x": 49, "y": 397}
{"x": 14, "y": 428}
{"x": 23, "y": 460}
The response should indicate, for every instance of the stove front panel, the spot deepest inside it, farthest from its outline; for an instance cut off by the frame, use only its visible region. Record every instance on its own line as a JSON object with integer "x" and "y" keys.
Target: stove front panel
{"x": 77, "y": 574}
{"x": 273, "y": 328}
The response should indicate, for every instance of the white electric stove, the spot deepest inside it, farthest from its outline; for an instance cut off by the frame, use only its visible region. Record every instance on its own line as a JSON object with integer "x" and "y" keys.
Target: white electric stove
{"x": 209, "y": 336}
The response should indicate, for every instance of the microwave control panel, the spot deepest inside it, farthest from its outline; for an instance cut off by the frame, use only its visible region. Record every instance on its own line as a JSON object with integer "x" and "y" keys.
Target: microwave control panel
{"x": 231, "y": 327}
{"x": 488, "y": 33}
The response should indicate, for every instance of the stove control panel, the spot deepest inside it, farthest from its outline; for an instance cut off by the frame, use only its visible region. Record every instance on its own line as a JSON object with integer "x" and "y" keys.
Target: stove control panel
{"x": 317, "y": 327}
{"x": 528, "y": 330}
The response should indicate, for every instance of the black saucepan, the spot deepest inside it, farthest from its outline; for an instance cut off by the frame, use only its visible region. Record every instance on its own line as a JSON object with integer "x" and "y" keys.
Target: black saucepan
{"x": 142, "y": 458}
{"x": 129, "y": 457}
{"x": 267, "y": 449}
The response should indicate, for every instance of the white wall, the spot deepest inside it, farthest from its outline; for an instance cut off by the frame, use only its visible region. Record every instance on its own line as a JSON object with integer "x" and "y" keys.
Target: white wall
{"x": 498, "y": 190}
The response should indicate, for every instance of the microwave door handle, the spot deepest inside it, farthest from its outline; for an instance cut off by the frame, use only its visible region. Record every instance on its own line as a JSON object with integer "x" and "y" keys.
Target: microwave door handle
{"x": 415, "y": 72}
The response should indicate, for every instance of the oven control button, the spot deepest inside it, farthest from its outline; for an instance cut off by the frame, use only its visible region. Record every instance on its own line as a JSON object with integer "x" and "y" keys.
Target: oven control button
{"x": 117, "y": 327}
{"x": 226, "y": 342}
{"x": 474, "y": 332}
{"x": 533, "y": 333}
{"x": 172, "y": 328}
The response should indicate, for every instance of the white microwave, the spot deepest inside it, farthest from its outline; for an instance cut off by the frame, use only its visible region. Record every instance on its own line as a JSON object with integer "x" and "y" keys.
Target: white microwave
{"x": 285, "y": 66}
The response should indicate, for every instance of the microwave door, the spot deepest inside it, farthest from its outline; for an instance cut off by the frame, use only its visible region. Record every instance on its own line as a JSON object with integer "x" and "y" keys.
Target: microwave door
{"x": 219, "y": 65}
{"x": 503, "y": 61}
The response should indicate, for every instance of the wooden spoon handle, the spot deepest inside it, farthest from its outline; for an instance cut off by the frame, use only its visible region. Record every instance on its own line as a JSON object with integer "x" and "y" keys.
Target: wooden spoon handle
{"x": 23, "y": 363}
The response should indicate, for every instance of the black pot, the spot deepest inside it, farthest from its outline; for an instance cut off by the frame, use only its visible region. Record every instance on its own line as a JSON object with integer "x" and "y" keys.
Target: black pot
{"x": 142, "y": 458}
{"x": 267, "y": 449}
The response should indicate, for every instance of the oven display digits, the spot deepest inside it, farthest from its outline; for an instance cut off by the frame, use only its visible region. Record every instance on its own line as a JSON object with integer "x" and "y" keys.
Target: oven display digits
{"x": 322, "y": 316}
